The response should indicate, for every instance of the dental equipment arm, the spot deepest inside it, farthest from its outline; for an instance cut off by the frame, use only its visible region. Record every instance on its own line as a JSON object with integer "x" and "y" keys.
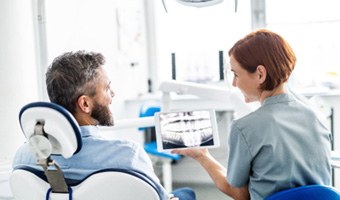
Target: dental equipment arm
{"x": 230, "y": 99}
{"x": 132, "y": 123}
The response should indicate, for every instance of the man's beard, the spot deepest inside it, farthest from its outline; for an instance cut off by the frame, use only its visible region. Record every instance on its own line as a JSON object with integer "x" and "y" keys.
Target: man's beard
{"x": 102, "y": 114}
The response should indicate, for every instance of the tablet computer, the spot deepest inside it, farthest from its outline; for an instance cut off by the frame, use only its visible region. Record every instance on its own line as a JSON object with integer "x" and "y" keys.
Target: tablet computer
{"x": 186, "y": 129}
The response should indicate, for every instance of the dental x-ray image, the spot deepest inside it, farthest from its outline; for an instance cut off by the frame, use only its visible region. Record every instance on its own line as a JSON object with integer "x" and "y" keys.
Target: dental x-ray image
{"x": 183, "y": 129}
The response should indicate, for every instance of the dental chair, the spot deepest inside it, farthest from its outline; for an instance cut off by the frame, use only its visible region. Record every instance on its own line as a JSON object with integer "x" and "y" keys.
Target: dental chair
{"x": 51, "y": 129}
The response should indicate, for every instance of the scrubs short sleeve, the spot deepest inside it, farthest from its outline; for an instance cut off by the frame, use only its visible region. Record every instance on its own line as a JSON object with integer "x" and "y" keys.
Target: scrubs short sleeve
{"x": 239, "y": 163}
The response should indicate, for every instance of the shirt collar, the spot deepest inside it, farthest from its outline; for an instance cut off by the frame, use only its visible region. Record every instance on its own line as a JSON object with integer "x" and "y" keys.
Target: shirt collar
{"x": 89, "y": 130}
{"x": 280, "y": 98}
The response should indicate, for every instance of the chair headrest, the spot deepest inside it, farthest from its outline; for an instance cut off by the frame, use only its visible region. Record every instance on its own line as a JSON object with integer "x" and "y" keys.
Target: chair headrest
{"x": 61, "y": 128}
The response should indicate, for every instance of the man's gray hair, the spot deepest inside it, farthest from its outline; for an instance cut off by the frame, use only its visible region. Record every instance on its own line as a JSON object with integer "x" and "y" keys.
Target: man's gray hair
{"x": 71, "y": 75}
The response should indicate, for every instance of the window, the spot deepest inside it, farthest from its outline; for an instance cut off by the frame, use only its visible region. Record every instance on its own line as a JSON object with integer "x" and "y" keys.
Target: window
{"x": 196, "y": 34}
{"x": 312, "y": 29}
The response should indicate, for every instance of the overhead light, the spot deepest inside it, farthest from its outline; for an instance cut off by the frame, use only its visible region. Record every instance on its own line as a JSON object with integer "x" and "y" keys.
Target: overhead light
{"x": 199, "y": 3}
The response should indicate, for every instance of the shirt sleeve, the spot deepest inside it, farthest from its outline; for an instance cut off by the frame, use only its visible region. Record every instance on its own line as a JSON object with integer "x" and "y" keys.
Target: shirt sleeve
{"x": 143, "y": 163}
{"x": 239, "y": 163}
{"x": 24, "y": 156}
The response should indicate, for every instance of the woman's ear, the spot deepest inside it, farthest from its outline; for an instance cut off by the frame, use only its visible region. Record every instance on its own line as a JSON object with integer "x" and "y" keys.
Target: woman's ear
{"x": 85, "y": 103}
{"x": 262, "y": 73}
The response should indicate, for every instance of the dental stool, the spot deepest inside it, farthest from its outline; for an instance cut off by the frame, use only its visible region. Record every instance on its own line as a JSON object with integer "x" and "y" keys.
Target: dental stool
{"x": 51, "y": 129}
{"x": 308, "y": 192}
{"x": 166, "y": 158}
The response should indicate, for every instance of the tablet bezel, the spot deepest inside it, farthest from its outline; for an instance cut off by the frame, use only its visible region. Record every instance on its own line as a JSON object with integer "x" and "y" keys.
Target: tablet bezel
{"x": 213, "y": 121}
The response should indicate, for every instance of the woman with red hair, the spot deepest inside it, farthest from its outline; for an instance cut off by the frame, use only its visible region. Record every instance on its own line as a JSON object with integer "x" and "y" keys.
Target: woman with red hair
{"x": 282, "y": 144}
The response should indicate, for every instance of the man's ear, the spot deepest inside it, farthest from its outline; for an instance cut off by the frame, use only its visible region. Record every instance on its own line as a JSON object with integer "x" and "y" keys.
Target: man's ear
{"x": 85, "y": 103}
{"x": 261, "y": 73}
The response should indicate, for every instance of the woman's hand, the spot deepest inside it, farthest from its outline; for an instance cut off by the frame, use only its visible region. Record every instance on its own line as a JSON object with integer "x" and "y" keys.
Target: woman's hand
{"x": 194, "y": 153}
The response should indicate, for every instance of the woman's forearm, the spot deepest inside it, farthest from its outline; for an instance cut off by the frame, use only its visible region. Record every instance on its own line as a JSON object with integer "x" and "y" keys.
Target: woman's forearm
{"x": 218, "y": 172}
{"x": 215, "y": 170}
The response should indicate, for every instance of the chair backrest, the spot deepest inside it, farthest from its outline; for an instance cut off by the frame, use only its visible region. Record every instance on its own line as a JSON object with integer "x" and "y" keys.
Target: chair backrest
{"x": 102, "y": 185}
{"x": 308, "y": 192}
{"x": 149, "y": 110}
{"x": 51, "y": 129}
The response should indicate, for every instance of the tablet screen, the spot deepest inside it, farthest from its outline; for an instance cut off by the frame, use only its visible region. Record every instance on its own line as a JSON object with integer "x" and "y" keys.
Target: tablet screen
{"x": 186, "y": 129}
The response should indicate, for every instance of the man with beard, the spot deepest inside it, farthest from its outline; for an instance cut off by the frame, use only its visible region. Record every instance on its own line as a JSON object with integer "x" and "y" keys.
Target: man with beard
{"x": 78, "y": 82}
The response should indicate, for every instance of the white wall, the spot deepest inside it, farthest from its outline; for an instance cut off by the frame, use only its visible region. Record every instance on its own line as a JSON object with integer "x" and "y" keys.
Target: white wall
{"x": 18, "y": 77}
{"x": 18, "y": 73}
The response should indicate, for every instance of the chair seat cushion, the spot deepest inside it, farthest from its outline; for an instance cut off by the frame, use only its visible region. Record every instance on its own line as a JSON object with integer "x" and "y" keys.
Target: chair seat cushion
{"x": 310, "y": 192}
